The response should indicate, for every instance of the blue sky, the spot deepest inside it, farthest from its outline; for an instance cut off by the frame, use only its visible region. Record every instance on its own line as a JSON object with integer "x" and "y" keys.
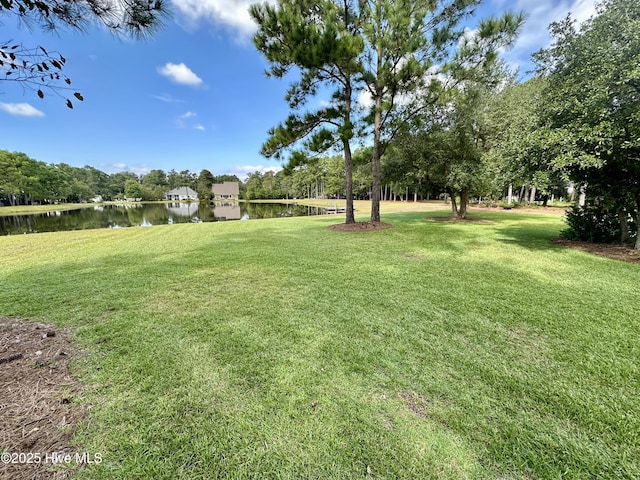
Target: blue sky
{"x": 194, "y": 96}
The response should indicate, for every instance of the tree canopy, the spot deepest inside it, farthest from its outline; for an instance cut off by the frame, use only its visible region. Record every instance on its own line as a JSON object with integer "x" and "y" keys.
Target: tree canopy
{"x": 375, "y": 48}
{"x": 36, "y": 68}
{"x": 591, "y": 116}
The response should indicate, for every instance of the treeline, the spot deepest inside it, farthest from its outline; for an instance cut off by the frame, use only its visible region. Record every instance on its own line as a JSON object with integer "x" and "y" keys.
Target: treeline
{"x": 321, "y": 178}
{"x": 25, "y": 181}
{"x": 404, "y": 178}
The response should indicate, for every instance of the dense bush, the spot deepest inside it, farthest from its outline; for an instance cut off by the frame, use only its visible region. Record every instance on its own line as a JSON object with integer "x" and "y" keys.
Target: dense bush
{"x": 595, "y": 223}
{"x": 508, "y": 206}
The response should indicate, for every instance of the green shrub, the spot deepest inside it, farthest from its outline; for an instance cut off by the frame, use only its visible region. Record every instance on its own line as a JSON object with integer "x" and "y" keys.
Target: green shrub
{"x": 595, "y": 223}
{"x": 508, "y": 206}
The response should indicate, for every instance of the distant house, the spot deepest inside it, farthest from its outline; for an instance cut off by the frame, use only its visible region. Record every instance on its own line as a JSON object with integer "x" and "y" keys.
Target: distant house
{"x": 181, "y": 194}
{"x": 226, "y": 191}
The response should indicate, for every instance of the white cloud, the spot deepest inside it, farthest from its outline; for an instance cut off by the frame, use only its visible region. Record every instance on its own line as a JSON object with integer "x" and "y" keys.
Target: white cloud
{"x": 535, "y": 31}
{"x": 582, "y": 10}
{"x": 110, "y": 168}
{"x": 364, "y": 100}
{"x": 544, "y": 12}
{"x": 232, "y": 14}
{"x": 199, "y": 127}
{"x": 245, "y": 170}
{"x": 180, "y": 73}
{"x": 468, "y": 35}
{"x": 141, "y": 169}
{"x": 21, "y": 109}
{"x": 181, "y": 120}
{"x": 166, "y": 98}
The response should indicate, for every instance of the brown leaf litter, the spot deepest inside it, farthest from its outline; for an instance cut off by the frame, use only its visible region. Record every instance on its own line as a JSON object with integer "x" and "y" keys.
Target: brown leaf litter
{"x": 39, "y": 407}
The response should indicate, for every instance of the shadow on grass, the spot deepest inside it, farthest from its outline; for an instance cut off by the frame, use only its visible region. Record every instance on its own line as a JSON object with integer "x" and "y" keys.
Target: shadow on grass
{"x": 532, "y": 237}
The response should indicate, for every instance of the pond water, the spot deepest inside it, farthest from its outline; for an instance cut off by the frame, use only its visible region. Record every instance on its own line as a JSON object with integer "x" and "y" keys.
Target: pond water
{"x": 145, "y": 215}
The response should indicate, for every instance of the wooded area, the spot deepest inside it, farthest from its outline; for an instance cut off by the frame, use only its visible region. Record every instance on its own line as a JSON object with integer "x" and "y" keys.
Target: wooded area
{"x": 444, "y": 113}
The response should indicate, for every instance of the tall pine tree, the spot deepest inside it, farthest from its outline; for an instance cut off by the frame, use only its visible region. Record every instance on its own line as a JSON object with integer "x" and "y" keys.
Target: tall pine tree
{"x": 320, "y": 40}
{"x": 405, "y": 41}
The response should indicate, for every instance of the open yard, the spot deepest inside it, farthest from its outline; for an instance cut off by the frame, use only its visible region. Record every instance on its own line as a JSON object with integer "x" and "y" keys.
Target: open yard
{"x": 283, "y": 349}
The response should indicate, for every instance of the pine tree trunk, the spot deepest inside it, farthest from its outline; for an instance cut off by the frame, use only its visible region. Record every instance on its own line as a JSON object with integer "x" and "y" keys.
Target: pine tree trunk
{"x": 532, "y": 198}
{"x": 375, "y": 165}
{"x": 348, "y": 170}
{"x": 375, "y": 161}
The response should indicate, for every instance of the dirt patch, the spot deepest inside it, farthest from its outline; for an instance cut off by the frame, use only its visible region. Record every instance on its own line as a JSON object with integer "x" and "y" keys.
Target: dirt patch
{"x": 360, "y": 226}
{"x": 460, "y": 220}
{"x": 616, "y": 252}
{"x": 523, "y": 337}
{"x": 38, "y": 406}
{"x": 416, "y": 403}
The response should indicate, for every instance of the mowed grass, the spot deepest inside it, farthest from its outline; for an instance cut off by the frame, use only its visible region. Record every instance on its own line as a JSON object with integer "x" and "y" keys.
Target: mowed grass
{"x": 282, "y": 349}
{"x": 33, "y": 209}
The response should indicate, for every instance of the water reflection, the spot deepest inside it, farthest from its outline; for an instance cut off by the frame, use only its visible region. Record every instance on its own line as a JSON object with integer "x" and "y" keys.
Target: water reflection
{"x": 227, "y": 211}
{"x": 183, "y": 209}
{"x": 128, "y": 215}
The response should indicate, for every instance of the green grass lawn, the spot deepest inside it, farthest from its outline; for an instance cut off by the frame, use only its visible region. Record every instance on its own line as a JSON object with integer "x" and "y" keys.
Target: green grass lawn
{"x": 282, "y": 349}
{"x": 35, "y": 209}
{"x": 32, "y": 209}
